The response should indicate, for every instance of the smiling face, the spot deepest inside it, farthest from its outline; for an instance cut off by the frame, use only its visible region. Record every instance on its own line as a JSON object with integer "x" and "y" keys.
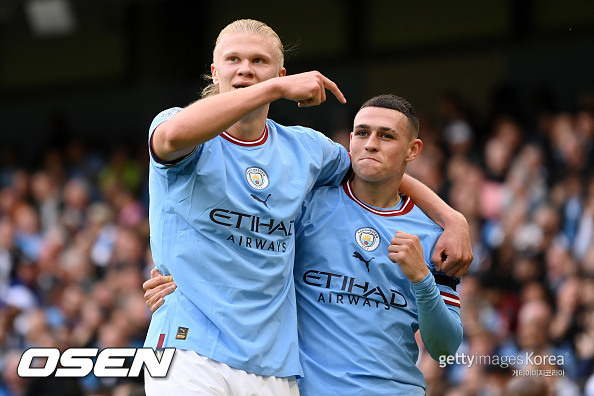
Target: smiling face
{"x": 244, "y": 59}
{"x": 381, "y": 144}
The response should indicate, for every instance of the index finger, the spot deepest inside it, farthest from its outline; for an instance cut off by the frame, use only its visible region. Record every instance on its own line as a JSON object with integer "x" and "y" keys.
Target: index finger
{"x": 332, "y": 87}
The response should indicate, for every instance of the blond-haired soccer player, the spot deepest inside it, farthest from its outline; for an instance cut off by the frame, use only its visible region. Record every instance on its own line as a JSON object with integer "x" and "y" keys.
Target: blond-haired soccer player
{"x": 226, "y": 185}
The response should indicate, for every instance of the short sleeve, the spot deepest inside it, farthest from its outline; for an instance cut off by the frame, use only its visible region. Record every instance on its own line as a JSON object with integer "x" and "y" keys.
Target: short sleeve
{"x": 336, "y": 162}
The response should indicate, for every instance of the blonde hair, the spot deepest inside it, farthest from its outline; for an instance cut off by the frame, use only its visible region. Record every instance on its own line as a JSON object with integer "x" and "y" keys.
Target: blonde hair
{"x": 244, "y": 26}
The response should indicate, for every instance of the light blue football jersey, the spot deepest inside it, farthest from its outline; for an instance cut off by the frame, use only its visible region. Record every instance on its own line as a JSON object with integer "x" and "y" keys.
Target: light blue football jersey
{"x": 357, "y": 312}
{"x": 222, "y": 222}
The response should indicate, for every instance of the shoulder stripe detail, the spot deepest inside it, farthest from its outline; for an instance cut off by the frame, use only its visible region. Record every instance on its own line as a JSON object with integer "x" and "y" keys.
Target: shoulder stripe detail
{"x": 406, "y": 207}
{"x": 247, "y": 143}
{"x": 450, "y": 299}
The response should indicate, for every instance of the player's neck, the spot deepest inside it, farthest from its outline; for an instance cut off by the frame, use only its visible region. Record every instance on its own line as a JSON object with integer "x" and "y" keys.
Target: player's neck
{"x": 251, "y": 126}
{"x": 381, "y": 194}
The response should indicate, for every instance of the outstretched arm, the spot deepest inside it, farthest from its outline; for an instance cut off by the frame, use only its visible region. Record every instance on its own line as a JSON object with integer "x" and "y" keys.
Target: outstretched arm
{"x": 453, "y": 251}
{"x": 207, "y": 118}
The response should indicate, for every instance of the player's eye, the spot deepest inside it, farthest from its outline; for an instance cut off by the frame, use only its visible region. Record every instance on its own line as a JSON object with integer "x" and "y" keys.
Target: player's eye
{"x": 258, "y": 60}
{"x": 361, "y": 133}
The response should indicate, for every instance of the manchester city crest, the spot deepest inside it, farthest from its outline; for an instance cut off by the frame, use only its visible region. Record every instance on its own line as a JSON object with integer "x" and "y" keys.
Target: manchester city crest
{"x": 367, "y": 238}
{"x": 257, "y": 178}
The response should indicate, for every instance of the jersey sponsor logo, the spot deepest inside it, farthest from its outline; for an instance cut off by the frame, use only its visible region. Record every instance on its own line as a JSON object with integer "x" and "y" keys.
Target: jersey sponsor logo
{"x": 353, "y": 300}
{"x": 386, "y": 297}
{"x": 257, "y": 177}
{"x": 247, "y": 223}
{"x": 258, "y": 243}
{"x": 367, "y": 238}
{"x": 358, "y": 255}
{"x": 79, "y": 362}
{"x": 244, "y": 221}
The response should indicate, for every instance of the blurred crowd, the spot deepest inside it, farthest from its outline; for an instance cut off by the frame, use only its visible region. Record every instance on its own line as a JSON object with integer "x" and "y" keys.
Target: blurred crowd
{"x": 525, "y": 182}
{"x": 74, "y": 250}
{"x": 73, "y": 255}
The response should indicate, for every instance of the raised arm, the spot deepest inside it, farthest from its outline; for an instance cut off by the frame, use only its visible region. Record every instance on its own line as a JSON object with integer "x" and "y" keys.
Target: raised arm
{"x": 207, "y": 118}
{"x": 453, "y": 251}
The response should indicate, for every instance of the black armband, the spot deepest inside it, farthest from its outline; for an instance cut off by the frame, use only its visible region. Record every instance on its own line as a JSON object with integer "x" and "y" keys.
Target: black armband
{"x": 446, "y": 281}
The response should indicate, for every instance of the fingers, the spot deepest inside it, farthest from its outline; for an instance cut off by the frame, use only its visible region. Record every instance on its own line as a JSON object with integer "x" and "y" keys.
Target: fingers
{"x": 438, "y": 258}
{"x": 403, "y": 238}
{"x": 447, "y": 266}
{"x": 154, "y": 297}
{"x": 460, "y": 268}
{"x": 403, "y": 245}
{"x": 317, "y": 94}
{"x": 406, "y": 250}
{"x": 155, "y": 272}
{"x": 157, "y": 305}
{"x": 154, "y": 282}
{"x": 461, "y": 272}
{"x": 451, "y": 265}
{"x": 149, "y": 284}
{"x": 453, "y": 268}
{"x": 315, "y": 99}
{"x": 332, "y": 87}
{"x": 453, "y": 251}
{"x": 323, "y": 89}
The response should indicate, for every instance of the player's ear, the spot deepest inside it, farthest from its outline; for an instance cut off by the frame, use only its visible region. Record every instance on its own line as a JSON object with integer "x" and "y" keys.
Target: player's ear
{"x": 283, "y": 72}
{"x": 350, "y": 141}
{"x": 213, "y": 73}
{"x": 414, "y": 149}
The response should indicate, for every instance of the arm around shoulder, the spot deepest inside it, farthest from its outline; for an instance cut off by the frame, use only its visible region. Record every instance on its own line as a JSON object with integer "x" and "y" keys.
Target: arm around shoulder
{"x": 453, "y": 251}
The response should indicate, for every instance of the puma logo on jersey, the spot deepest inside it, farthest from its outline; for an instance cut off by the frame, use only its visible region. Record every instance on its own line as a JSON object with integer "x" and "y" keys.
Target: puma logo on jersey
{"x": 182, "y": 333}
{"x": 259, "y": 200}
{"x": 358, "y": 255}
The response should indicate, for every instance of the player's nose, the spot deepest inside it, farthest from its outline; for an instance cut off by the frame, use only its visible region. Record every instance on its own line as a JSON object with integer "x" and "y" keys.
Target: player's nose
{"x": 245, "y": 68}
{"x": 372, "y": 142}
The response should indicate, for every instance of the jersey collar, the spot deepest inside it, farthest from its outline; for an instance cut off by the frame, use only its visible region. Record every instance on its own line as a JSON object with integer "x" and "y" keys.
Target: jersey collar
{"x": 404, "y": 209}
{"x": 247, "y": 143}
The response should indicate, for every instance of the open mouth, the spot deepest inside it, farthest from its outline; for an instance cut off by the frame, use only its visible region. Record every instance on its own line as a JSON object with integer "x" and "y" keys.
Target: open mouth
{"x": 240, "y": 86}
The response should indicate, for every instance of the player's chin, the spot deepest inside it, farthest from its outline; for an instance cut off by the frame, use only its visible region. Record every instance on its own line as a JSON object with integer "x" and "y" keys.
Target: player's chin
{"x": 368, "y": 170}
